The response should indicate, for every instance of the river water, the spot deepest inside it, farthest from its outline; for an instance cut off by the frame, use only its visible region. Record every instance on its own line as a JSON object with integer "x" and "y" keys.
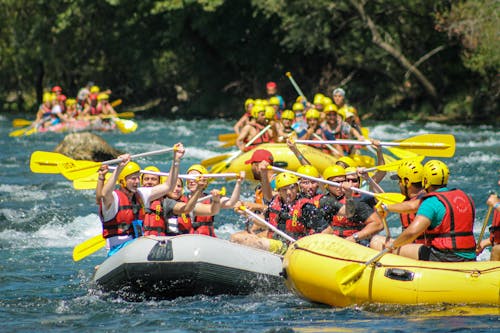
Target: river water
{"x": 42, "y": 218}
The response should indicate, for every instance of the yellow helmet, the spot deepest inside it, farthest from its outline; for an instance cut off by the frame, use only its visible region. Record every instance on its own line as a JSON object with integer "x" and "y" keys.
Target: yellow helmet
{"x": 330, "y": 108}
{"x": 312, "y": 113}
{"x": 94, "y": 89}
{"x": 435, "y": 173}
{"x": 198, "y": 167}
{"x": 274, "y": 100}
{"x": 327, "y": 100}
{"x": 257, "y": 108}
{"x": 102, "y": 96}
{"x": 128, "y": 170}
{"x": 333, "y": 171}
{"x": 284, "y": 179}
{"x": 269, "y": 112}
{"x": 299, "y": 99}
{"x": 248, "y": 102}
{"x": 411, "y": 170}
{"x": 349, "y": 162}
{"x": 288, "y": 114}
{"x": 154, "y": 169}
{"x": 298, "y": 107}
{"x": 308, "y": 170}
{"x": 318, "y": 98}
{"x": 47, "y": 97}
{"x": 70, "y": 101}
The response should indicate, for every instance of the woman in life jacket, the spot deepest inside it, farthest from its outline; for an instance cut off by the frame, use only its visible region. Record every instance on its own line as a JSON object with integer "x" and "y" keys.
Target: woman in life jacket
{"x": 122, "y": 210}
{"x": 357, "y": 221}
{"x": 447, "y": 216}
{"x": 170, "y": 215}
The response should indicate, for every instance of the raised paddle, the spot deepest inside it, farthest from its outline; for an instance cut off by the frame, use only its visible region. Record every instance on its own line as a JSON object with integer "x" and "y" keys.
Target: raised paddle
{"x": 47, "y": 162}
{"x": 295, "y": 86}
{"x": 393, "y": 166}
{"x": 76, "y": 169}
{"x": 347, "y": 277}
{"x": 269, "y": 225}
{"x": 88, "y": 247}
{"x": 436, "y": 145}
{"x": 384, "y": 197}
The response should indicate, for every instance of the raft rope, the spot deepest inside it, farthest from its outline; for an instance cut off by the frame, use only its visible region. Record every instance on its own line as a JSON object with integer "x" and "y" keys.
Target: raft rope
{"x": 378, "y": 264}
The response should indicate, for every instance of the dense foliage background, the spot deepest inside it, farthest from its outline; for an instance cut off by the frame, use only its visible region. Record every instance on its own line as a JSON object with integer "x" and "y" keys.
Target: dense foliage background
{"x": 417, "y": 59}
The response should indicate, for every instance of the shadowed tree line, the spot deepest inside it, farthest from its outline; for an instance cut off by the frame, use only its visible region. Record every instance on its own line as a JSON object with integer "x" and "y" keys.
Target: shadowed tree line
{"x": 403, "y": 59}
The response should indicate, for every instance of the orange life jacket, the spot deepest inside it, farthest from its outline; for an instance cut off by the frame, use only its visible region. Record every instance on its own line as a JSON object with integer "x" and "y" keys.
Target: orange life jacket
{"x": 200, "y": 225}
{"x": 407, "y": 219}
{"x": 495, "y": 228}
{"x": 157, "y": 224}
{"x": 344, "y": 227}
{"x": 128, "y": 211}
{"x": 287, "y": 221}
{"x": 264, "y": 138}
{"x": 455, "y": 231}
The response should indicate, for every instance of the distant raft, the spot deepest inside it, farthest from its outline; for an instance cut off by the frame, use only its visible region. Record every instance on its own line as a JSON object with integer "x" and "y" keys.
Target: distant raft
{"x": 283, "y": 157}
{"x": 314, "y": 268}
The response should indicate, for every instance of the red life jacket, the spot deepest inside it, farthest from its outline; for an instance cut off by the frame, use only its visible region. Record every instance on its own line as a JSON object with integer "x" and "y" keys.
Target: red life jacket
{"x": 407, "y": 219}
{"x": 264, "y": 138}
{"x": 455, "y": 231}
{"x": 201, "y": 225}
{"x": 495, "y": 228}
{"x": 342, "y": 226}
{"x": 287, "y": 221}
{"x": 156, "y": 224}
{"x": 121, "y": 224}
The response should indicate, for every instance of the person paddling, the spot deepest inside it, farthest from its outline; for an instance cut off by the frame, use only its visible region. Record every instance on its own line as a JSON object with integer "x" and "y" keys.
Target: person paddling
{"x": 446, "y": 215}
{"x": 494, "y": 240}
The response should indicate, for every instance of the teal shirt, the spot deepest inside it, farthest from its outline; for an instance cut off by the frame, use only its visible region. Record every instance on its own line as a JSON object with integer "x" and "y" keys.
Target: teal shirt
{"x": 434, "y": 210}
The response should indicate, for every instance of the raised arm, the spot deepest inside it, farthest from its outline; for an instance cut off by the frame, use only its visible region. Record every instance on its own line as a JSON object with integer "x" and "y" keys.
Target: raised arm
{"x": 228, "y": 203}
{"x": 108, "y": 188}
{"x": 162, "y": 189}
{"x": 293, "y": 147}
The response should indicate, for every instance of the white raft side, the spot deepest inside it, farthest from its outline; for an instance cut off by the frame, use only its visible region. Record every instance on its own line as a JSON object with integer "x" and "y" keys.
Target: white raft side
{"x": 197, "y": 248}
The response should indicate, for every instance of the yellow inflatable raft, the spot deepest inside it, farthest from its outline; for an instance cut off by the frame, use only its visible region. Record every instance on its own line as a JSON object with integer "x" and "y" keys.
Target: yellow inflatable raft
{"x": 283, "y": 157}
{"x": 315, "y": 268}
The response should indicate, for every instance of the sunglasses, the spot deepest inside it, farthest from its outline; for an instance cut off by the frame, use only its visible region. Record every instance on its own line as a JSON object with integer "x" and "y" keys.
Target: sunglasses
{"x": 354, "y": 180}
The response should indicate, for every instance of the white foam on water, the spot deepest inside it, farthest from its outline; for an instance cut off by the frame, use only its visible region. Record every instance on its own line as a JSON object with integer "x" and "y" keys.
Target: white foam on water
{"x": 479, "y": 157}
{"x": 200, "y": 153}
{"x": 22, "y": 193}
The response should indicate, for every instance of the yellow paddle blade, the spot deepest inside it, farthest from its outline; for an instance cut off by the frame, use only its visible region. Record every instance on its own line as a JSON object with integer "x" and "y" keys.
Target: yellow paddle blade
{"x": 435, "y": 145}
{"x": 88, "y": 247}
{"x": 128, "y": 114}
{"x": 78, "y": 169}
{"x": 116, "y": 102}
{"x": 88, "y": 183}
{"x": 30, "y": 131}
{"x": 401, "y": 153}
{"x": 228, "y": 144}
{"x": 46, "y": 162}
{"x": 365, "y": 132}
{"x": 217, "y": 168}
{"x": 214, "y": 160}
{"x": 228, "y": 137}
{"x": 348, "y": 276}
{"x": 18, "y": 122}
{"x": 390, "y": 198}
{"x": 19, "y": 132}
{"x": 125, "y": 126}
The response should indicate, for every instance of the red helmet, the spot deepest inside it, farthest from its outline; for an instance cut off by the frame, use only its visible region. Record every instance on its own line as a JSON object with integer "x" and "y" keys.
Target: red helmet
{"x": 271, "y": 85}
{"x": 56, "y": 89}
{"x": 61, "y": 98}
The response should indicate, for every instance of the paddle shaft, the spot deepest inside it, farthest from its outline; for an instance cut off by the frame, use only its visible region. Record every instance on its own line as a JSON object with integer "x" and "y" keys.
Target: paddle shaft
{"x": 257, "y": 136}
{"x": 483, "y": 229}
{"x": 269, "y": 225}
{"x": 383, "y": 143}
{"x": 377, "y": 257}
{"x": 321, "y": 180}
{"x": 295, "y": 85}
{"x": 154, "y": 152}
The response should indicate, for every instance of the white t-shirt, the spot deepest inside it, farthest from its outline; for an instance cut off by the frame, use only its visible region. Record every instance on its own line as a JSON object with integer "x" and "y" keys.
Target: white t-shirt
{"x": 109, "y": 214}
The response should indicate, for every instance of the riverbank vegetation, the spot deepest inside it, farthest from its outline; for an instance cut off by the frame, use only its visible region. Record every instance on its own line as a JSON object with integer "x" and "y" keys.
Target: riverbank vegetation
{"x": 403, "y": 59}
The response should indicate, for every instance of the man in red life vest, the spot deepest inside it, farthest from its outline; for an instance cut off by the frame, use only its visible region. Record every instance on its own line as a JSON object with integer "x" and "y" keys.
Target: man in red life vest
{"x": 409, "y": 176}
{"x": 494, "y": 239}
{"x": 447, "y": 216}
{"x": 122, "y": 210}
{"x": 253, "y": 128}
